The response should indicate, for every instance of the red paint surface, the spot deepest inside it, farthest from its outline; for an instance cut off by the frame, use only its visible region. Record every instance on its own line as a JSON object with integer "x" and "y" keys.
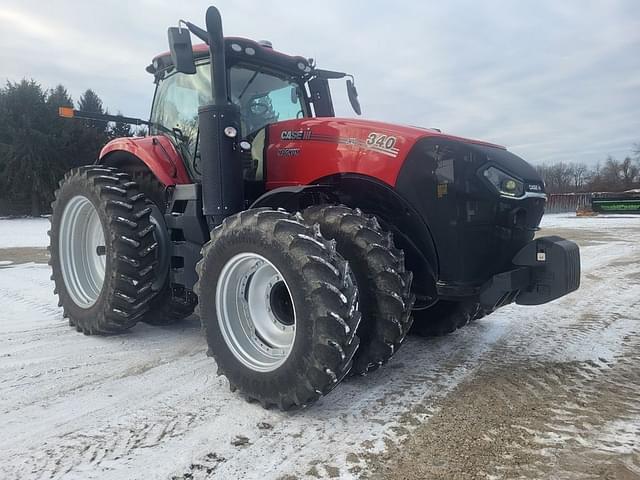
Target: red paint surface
{"x": 157, "y": 152}
{"x": 347, "y": 154}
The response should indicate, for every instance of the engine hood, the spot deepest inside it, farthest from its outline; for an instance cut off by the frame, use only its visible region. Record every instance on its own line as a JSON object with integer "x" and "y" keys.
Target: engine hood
{"x": 305, "y": 150}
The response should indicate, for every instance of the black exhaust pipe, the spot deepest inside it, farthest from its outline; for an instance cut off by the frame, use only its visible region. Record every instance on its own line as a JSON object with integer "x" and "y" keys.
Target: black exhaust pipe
{"x": 222, "y": 182}
{"x": 218, "y": 62}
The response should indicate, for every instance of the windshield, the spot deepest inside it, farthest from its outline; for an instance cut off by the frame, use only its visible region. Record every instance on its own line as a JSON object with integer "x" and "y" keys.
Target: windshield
{"x": 263, "y": 97}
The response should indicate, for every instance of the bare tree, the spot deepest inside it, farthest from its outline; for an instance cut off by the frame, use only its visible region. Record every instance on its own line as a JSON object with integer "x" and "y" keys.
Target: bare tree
{"x": 629, "y": 173}
{"x": 613, "y": 176}
{"x": 580, "y": 172}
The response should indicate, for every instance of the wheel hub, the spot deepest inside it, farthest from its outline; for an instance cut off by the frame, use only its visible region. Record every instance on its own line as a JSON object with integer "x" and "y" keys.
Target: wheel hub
{"x": 82, "y": 251}
{"x": 255, "y": 312}
{"x": 280, "y": 303}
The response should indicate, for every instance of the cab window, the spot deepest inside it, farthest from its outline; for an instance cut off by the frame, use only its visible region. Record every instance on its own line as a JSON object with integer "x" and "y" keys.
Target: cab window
{"x": 176, "y": 103}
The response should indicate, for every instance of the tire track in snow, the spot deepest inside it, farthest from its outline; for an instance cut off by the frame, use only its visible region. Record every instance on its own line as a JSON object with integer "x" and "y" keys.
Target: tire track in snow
{"x": 148, "y": 402}
{"x": 558, "y": 398}
{"x": 113, "y": 429}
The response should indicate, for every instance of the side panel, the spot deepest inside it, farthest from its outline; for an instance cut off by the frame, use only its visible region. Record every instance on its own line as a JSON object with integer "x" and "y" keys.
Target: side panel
{"x": 157, "y": 152}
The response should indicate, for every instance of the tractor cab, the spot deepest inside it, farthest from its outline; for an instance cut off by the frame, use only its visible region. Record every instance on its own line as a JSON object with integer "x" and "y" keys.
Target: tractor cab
{"x": 265, "y": 85}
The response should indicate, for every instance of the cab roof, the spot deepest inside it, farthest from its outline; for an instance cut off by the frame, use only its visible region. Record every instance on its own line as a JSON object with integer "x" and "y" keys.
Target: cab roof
{"x": 238, "y": 49}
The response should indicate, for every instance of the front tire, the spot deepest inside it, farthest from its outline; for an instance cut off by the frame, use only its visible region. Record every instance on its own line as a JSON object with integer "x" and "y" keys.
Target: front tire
{"x": 278, "y": 305}
{"x": 102, "y": 250}
{"x": 384, "y": 284}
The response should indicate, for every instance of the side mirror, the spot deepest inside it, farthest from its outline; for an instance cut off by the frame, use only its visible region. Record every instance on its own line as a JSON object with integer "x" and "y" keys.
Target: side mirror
{"x": 352, "y": 93}
{"x": 181, "y": 50}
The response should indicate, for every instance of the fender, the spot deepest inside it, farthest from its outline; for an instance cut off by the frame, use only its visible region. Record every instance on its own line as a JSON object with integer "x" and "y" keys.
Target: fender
{"x": 157, "y": 152}
{"x": 296, "y": 197}
{"x": 396, "y": 215}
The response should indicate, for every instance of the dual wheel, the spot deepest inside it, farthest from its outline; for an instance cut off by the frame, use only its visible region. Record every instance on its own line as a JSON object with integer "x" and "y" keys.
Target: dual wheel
{"x": 108, "y": 252}
{"x": 288, "y": 313}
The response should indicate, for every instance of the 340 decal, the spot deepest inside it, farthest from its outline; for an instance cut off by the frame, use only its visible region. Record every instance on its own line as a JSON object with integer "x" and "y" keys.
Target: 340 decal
{"x": 382, "y": 143}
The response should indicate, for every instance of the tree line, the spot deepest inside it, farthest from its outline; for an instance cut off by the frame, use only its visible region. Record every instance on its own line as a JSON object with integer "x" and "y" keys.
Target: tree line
{"x": 611, "y": 176}
{"x": 37, "y": 146}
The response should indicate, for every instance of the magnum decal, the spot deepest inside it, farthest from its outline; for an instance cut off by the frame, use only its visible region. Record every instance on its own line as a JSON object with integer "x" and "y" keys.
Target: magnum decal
{"x": 288, "y": 152}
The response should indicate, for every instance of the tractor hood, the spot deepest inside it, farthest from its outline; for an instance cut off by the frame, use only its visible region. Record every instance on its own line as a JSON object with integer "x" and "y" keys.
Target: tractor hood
{"x": 304, "y": 151}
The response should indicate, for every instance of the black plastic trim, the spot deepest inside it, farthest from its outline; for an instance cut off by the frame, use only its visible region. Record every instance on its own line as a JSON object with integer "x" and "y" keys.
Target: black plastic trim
{"x": 185, "y": 214}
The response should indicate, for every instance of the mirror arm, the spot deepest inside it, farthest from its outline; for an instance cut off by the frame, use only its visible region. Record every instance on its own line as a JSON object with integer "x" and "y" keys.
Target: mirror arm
{"x": 196, "y": 30}
{"x": 329, "y": 74}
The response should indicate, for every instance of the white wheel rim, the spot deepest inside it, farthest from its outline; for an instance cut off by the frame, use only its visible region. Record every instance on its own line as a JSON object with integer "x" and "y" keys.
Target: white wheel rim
{"x": 82, "y": 251}
{"x": 255, "y": 312}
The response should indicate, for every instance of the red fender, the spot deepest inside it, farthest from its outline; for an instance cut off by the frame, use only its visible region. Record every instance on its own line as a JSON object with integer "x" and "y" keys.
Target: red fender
{"x": 156, "y": 152}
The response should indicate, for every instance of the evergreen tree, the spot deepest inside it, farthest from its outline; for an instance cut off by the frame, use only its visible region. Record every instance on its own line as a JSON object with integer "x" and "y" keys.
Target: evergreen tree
{"x": 90, "y": 135}
{"x": 90, "y": 102}
{"x": 59, "y": 97}
{"x": 30, "y": 159}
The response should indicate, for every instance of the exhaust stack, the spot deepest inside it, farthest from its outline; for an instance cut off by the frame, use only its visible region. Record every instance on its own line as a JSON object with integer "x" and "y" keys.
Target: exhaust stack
{"x": 222, "y": 182}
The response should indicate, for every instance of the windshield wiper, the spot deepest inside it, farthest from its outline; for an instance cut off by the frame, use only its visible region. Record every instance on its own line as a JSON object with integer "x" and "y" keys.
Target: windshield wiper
{"x": 246, "y": 87}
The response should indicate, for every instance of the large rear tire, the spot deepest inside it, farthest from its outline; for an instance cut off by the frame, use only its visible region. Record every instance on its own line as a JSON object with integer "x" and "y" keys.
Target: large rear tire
{"x": 168, "y": 306}
{"x": 384, "y": 285}
{"x": 102, "y": 250}
{"x": 279, "y": 307}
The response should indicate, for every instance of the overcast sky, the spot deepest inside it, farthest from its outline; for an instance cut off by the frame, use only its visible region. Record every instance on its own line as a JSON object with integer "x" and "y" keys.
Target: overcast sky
{"x": 552, "y": 80}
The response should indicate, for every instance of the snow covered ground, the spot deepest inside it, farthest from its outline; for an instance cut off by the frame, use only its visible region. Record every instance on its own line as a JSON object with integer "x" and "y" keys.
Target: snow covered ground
{"x": 148, "y": 404}
{"x": 23, "y": 232}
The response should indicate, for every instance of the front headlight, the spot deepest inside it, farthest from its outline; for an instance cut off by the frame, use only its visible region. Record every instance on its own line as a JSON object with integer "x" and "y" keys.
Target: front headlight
{"x": 504, "y": 183}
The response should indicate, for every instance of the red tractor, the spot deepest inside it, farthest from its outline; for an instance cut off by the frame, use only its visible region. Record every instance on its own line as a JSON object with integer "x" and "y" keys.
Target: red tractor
{"x": 308, "y": 243}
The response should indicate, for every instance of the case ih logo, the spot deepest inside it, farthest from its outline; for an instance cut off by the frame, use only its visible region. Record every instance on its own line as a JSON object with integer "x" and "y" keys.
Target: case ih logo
{"x": 295, "y": 134}
{"x": 534, "y": 187}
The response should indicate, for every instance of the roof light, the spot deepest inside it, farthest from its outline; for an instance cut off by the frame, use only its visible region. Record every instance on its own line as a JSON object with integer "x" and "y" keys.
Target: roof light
{"x": 250, "y": 51}
{"x": 236, "y": 48}
{"x": 265, "y": 43}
